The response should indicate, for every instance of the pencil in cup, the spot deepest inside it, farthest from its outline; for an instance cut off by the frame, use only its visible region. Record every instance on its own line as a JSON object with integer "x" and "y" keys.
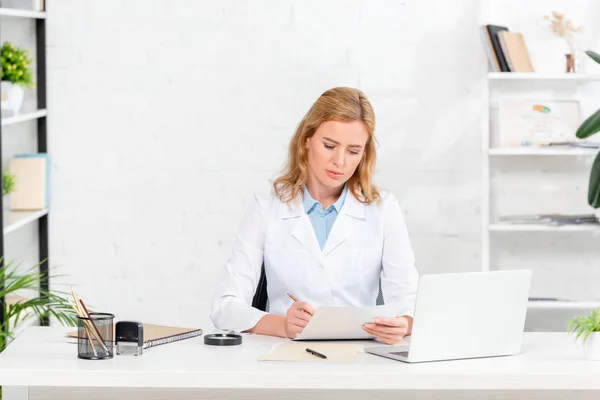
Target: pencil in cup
{"x": 83, "y": 313}
{"x": 90, "y": 328}
{"x": 88, "y": 331}
{"x": 90, "y": 336}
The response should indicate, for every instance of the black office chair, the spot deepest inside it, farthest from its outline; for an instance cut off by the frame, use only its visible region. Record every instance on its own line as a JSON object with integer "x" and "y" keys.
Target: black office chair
{"x": 260, "y": 296}
{"x": 261, "y": 299}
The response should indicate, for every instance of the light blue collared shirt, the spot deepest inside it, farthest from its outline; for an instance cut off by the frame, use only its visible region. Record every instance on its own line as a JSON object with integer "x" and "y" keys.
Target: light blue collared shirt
{"x": 322, "y": 221}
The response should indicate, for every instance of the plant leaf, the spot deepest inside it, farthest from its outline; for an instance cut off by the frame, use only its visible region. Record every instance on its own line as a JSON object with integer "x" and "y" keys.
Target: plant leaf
{"x": 594, "y": 188}
{"x": 593, "y": 55}
{"x": 590, "y": 126}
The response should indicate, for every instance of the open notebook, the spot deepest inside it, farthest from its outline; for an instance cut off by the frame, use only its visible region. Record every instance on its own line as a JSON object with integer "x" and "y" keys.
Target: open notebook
{"x": 155, "y": 335}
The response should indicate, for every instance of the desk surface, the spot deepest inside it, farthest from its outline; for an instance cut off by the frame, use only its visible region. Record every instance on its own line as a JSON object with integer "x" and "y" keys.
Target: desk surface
{"x": 40, "y": 356}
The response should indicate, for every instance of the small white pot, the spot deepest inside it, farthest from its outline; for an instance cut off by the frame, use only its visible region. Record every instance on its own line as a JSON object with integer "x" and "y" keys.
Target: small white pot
{"x": 12, "y": 96}
{"x": 591, "y": 347}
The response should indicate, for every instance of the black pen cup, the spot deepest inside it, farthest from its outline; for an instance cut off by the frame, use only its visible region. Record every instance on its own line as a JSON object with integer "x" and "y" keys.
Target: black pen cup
{"x": 95, "y": 336}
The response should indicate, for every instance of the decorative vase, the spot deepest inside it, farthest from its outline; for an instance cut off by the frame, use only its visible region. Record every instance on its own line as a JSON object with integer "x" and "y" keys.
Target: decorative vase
{"x": 591, "y": 347}
{"x": 573, "y": 58}
{"x": 12, "y": 96}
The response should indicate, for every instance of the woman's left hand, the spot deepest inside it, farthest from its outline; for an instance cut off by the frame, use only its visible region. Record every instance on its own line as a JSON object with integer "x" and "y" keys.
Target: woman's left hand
{"x": 389, "y": 330}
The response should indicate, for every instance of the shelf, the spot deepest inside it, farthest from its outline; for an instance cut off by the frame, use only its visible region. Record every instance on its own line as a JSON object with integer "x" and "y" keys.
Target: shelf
{"x": 544, "y": 151}
{"x": 26, "y": 321}
{"x": 543, "y": 228}
{"x": 14, "y": 12}
{"x": 13, "y": 220}
{"x": 24, "y": 117}
{"x": 534, "y": 76}
{"x": 550, "y": 304}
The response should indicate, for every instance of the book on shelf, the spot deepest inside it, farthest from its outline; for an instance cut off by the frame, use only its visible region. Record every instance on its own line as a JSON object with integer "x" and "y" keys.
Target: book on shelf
{"x": 515, "y": 52}
{"x": 578, "y": 143}
{"x": 506, "y": 51}
{"x": 31, "y": 191}
{"x": 551, "y": 219}
{"x": 493, "y": 48}
{"x": 46, "y": 159}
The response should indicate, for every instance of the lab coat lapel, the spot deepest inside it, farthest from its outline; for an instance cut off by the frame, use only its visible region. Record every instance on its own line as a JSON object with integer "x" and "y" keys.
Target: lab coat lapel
{"x": 303, "y": 230}
{"x": 351, "y": 216}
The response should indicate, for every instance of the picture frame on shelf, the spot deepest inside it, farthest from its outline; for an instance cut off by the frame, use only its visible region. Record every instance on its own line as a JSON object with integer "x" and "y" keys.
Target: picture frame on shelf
{"x": 525, "y": 122}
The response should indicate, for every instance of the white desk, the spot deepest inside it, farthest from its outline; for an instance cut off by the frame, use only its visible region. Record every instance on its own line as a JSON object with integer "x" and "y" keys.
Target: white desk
{"x": 41, "y": 364}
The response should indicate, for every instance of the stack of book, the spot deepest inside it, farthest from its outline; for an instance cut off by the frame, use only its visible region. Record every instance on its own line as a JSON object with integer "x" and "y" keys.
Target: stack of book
{"x": 505, "y": 50}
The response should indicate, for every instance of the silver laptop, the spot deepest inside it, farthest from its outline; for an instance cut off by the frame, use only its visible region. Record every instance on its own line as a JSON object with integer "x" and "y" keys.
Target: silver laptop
{"x": 465, "y": 315}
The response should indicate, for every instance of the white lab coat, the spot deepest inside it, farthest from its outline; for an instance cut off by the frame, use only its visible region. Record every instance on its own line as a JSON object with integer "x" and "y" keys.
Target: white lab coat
{"x": 366, "y": 243}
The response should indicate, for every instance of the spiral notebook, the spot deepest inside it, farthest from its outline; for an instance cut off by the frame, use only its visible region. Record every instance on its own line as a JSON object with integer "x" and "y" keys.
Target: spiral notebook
{"x": 155, "y": 335}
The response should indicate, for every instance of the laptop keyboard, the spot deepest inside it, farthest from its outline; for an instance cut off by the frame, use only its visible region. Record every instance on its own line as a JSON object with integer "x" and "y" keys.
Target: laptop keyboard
{"x": 400, "y": 353}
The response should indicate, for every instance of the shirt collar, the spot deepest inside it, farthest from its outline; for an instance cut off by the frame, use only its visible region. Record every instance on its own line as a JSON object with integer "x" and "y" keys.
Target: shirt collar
{"x": 310, "y": 203}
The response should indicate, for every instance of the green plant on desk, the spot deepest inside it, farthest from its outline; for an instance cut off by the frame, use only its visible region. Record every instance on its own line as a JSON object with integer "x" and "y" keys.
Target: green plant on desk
{"x": 584, "y": 326}
{"x": 47, "y": 304}
{"x": 589, "y": 127}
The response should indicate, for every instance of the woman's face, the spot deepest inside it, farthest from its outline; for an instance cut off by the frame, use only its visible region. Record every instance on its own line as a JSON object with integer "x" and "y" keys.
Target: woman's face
{"x": 335, "y": 150}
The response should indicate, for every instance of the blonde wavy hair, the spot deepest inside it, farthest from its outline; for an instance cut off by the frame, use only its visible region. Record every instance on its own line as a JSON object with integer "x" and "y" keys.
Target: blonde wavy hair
{"x": 342, "y": 104}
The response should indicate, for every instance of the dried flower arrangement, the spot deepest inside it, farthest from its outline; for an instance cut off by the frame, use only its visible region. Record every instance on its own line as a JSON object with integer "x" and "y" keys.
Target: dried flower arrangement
{"x": 564, "y": 28}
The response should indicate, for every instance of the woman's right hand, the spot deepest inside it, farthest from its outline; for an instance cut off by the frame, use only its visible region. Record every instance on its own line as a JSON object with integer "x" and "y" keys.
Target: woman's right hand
{"x": 297, "y": 318}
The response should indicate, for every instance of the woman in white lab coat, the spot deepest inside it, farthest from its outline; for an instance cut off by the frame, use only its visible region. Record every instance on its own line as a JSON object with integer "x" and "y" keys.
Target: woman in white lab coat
{"x": 325, "y": 233}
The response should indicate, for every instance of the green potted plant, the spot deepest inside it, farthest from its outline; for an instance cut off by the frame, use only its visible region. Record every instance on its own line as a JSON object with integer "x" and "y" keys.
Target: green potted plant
{"x": 588, "y": 329}
{"x": 16, "y": 76}
{"x": 8, "y": 182}
{"x": 16, "y": 308}
{"x": 588, "y": 128}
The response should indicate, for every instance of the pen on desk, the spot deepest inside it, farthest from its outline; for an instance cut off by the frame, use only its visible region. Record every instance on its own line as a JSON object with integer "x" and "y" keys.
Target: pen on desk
{"x": 315, "y": 353}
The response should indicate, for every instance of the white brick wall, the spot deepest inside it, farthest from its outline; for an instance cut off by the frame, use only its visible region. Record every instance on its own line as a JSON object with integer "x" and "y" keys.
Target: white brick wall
{"x": 166, "y": 116}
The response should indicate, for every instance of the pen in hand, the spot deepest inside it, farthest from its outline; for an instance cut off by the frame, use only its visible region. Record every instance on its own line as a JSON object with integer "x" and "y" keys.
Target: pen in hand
{"x": 315, "y": 353}
{"x": 305, "y": 307}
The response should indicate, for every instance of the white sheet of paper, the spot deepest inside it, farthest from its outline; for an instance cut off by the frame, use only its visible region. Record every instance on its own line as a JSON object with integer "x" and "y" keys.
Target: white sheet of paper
{"x": 342, "y": 322}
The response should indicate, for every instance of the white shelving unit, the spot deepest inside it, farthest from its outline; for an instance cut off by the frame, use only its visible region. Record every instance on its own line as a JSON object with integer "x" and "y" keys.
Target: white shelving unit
{"x": 30, "y": 116}
{"x": 491, "y": 229}
{"x": 13, "y": 220}
{"x": 13, "y": 12}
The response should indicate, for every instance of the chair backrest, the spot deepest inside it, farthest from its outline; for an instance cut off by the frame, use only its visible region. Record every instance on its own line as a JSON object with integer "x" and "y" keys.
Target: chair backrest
{"x": 261, "y": 299}
{"x": 260, "y": 296}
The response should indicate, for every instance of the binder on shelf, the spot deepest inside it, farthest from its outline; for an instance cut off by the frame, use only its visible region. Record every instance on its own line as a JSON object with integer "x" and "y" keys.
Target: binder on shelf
{"x": 31, "y": 181}
{"x": 156, "y": 335}
{"x": 47, "y": 159}
{"x": 493, "y": 37}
